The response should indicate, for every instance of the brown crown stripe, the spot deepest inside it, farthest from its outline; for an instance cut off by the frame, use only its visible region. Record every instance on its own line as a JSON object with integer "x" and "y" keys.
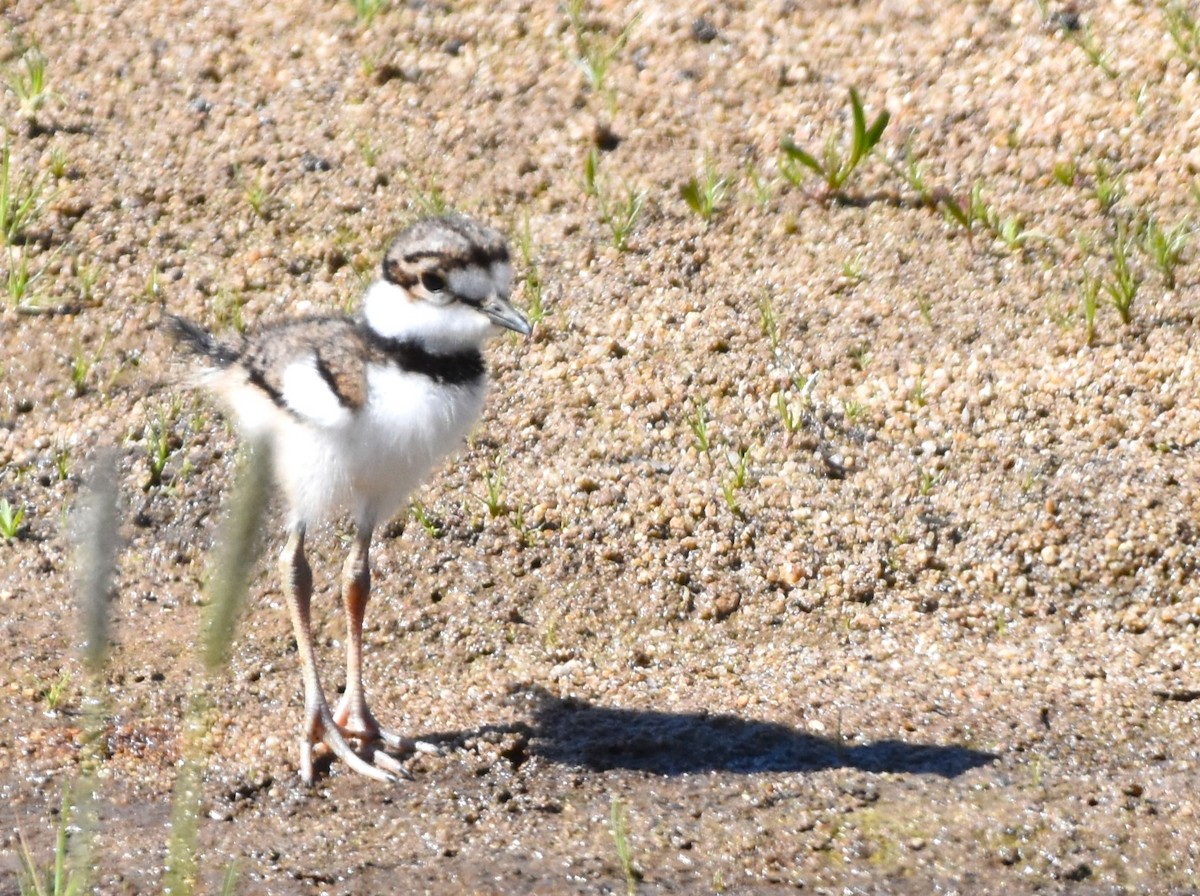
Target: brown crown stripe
{"x": 394, "y": 272}
{"x": 483, "y": 256}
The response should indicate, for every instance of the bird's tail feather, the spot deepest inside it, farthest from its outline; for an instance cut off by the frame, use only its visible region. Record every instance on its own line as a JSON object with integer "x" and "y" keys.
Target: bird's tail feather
{"x": 199, "y": 341}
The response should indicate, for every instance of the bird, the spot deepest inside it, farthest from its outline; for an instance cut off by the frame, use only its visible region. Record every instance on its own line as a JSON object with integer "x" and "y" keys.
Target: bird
{"x": 355, "y": 412}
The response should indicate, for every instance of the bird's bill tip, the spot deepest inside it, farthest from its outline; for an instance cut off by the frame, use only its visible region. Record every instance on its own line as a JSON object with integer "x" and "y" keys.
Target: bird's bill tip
{"x": 503, "y": 314}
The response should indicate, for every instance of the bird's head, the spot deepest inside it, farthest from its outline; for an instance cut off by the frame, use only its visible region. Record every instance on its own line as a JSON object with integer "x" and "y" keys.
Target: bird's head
{"x": 445, "y": 283}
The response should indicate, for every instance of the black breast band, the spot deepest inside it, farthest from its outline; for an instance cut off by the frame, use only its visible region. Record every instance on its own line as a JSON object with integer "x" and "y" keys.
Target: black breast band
{"x": 460, "y": 368}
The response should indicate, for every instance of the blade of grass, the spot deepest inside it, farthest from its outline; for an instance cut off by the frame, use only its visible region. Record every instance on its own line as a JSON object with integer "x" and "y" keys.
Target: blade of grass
{"x": 236, "y": 555}
{"x": 96, "y": 557}
{"x": 859, "y": 138}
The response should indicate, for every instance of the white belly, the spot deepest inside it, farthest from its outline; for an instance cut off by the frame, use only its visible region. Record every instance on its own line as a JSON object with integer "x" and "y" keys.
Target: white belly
{"x": 371, "y": 462}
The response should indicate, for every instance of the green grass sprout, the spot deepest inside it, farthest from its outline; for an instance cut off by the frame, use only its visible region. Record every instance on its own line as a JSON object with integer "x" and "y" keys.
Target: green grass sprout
{"x": 11, "y": 519}
{"x": 618, "y": 818}
{"x": 837, "y": 163}
{"x": 706, "y": 192}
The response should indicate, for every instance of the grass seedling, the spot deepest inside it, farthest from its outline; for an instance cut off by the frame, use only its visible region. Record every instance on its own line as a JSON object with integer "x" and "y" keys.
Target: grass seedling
{"x": 19, "y": 279}
{"x": 525, "y": 532}
{"x": 913, "y": 172}
{"x": 366, "y": 11}
{"x": 158, "y": 449}
{"x": 619, "y": 820}
{"x": 258, "y": 197}
{"x": 30, "y": 85}
{"x": 837, "y": 164}
{"x": 926, "y": 480}
{"x": 1141, "y": 99}
{"x": 591, "y": 171}
{"x": 967, "y": 214}
{"x": 1089, "y": 301}
{"x": 594, "y": 55}
{"x": 760, "y": 186}
{"x": 227, "y": 310}
{"x": 86, "y": 276}
{"x": 618, "y": 215}
{"x": 433, "y": 528}
{"x": 1122, "y": 286}
{"x": 854, "y": 411}
{"x": 534, "y": 287}
{"x": 10, "y": 520}
{"x": 1009, "y": 229}
{"x": 58, "y": 690}
{"x": 788, "y": 415}
{"x": 81, "y": 366}
{"x": 621, "y": 216}
{"x": 535, "y": 307}
{"x": 767, "y": 320}
{"x": 792, "y": 414}
{"x": 368, "y": 65}
{"x": 152, "y": 290}
{"x": 68, "y": 874}
{"x": 431, "y": 201}
{"x": 697, "y": 422}
{"x": 493, "y": 497}
{"x": 917, "y": 395}
{"x": 707, "y": 191}
{"x": 58, "y": 163}
{"x": 1065, "y": 172}
{"x": 20, "y": 198}
{"x": 1011, "y": 232}
{"x": 1165, "y": 246}
{"x": 62, "y": 462}
{"x": 925, "y": 307}
{"x": 860, "y": 356}
{"x": 1086, "y": 41}
{"x": 738, "y": 464}
{"x": 368, "y": 150}
{"x": 1185, "y": 32}
{"x": 853, "y": 270}
{"x": 1109, "y": 186}
{"x": 729, "y": 493}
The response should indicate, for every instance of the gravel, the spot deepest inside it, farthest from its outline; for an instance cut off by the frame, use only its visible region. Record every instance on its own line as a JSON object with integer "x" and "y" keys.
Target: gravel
{"x": 832, "y": 554}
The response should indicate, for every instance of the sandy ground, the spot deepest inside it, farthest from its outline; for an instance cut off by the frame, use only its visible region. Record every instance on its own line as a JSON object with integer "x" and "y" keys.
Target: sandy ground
{"x": 826, "y": 547}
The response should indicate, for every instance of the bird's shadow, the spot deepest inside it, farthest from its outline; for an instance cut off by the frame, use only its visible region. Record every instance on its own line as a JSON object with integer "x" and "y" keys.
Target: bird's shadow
{"x": 574, "y": 732}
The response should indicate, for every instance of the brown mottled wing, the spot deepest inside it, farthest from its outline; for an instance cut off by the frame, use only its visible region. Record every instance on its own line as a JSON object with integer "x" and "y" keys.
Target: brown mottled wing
{"x": 341, "y": 360}
{"x": 336, "y": 345}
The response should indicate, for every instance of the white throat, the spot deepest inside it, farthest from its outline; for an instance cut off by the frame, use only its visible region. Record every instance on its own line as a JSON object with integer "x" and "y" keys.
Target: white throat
{"x": 392, "y": 313}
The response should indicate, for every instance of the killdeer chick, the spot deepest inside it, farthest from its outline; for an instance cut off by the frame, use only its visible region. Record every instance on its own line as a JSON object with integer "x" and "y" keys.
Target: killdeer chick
{"x": 356, "y": 413}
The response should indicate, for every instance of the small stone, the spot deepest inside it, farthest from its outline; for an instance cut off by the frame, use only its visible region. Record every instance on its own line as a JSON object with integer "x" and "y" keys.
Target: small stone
{"x": 703, "y": 30}
{"x": 1082, "y": 871}
{"x": 311, "y": 162}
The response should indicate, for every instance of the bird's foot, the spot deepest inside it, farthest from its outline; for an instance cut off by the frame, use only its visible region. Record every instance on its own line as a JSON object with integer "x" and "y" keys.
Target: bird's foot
{"x": 377, "y": 764}
{"x": 356, "y": 722}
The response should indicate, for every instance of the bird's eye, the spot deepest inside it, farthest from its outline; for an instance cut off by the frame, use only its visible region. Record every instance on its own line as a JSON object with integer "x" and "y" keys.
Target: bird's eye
{"x": 433, "y": 281}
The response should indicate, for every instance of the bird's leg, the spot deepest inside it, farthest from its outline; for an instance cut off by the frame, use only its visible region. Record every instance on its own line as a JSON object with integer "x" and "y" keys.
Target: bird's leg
{"x": 319, "y": 726}
{"x": 352, "y": 715}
